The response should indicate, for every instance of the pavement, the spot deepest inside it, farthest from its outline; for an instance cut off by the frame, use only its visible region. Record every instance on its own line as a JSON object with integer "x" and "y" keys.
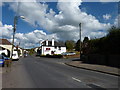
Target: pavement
{"x": 94, "y": 67}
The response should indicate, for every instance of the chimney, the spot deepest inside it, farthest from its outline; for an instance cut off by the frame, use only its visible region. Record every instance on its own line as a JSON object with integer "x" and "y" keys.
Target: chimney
{"x": 47, "y": 42}
{"x": 53, "y": 42}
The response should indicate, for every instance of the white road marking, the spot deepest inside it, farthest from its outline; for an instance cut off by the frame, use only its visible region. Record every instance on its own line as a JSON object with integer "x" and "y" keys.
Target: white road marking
{"x": 81, "y": 81}
{"x": 76, "y": 79}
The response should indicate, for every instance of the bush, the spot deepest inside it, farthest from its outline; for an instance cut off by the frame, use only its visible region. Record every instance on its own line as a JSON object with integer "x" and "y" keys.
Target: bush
{"x": 52, "y": 56}
{"x": 57, "y": 56}
{"x": 106, "y": 45}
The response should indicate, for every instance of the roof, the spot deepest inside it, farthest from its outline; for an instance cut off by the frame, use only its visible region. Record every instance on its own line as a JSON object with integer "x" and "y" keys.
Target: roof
{"x": 55, "y": 44}
{"x": 5, "y": 42}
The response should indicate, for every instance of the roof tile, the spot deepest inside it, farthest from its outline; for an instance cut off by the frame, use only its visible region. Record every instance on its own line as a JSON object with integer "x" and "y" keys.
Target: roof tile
{"x": 5, "y": 42}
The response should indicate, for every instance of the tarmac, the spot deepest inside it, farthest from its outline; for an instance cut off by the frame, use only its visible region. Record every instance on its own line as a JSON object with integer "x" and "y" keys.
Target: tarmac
{"x": 94, "y": 67}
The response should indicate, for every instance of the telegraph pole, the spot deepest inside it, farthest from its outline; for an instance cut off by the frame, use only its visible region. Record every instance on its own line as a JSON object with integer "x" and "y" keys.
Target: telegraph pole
{"x": 80, "y": 39}
{"x": 14, "y": 29}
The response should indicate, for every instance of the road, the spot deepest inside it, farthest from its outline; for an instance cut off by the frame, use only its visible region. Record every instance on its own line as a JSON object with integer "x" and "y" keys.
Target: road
{"x": 40, "y": 72}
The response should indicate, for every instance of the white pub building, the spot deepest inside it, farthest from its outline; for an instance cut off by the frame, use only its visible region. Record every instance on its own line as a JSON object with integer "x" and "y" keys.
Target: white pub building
{"x": 51, "y": 47}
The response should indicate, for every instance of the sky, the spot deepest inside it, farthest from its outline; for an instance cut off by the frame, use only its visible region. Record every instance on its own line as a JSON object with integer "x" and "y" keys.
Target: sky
{"x": 58, "y": 20}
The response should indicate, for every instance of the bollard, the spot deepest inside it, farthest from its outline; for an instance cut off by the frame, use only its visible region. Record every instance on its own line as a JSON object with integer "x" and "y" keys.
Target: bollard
{"x": 8, "y": 63}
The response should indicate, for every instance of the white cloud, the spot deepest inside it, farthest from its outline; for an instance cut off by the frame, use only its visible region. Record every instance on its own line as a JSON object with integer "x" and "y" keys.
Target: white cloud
{"x": 71, "y": 15}
{"x": 26, "y": 39}
{"x": 107, "y": 16}
{"x": 67, "y": 20}
{"x": 117, "y": 21}
{"x": 0, "y": 4}
{"x": 6, "y": 30}
{"x": 1, "y": 24}
{"x": 63, "y": 26}
{"x": 32, "y": 38}
{"x": 109, "y": 0}
{"x": 104, "y": 1}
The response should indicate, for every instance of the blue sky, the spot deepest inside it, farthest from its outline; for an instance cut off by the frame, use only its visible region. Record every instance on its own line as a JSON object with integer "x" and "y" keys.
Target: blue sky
{"x": 59, "y": 20}
{"x": 8, "y": 18}
{"x": 96, "y": 9}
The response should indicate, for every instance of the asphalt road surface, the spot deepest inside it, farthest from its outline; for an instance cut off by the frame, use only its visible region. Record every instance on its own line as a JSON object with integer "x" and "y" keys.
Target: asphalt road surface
{"x": 39, "y": 72}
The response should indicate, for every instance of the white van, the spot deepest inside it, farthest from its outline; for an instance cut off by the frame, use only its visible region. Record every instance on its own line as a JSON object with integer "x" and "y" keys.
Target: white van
{"x": 15, "y": 55}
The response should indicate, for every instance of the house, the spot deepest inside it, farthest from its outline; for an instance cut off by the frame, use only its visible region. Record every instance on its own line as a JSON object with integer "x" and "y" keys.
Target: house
{"x": 51, "y": 47}
{"x": 19, "y": 49}
{"x": 36, "y": 49}
{"x": 6, "y": 45}
{"x": 5, "y": 51}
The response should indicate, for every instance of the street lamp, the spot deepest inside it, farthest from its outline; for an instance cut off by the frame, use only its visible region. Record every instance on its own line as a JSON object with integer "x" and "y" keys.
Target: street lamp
{"x": 80, "y": 39}
{"x": 14, "y": 29}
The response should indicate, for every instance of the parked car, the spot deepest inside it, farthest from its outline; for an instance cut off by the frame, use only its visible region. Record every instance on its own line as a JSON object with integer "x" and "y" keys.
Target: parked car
{"x": 15, "y": 55}
{"x": 25, "y": 55}
{"x": 64, "y": 53}
{"x": 68, "y": 53}
{"x": 71, "y": 53}
{"x": 2, "y": 60}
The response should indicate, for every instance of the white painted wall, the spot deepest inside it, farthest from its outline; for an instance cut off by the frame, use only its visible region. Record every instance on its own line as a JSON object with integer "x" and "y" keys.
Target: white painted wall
{"x": 4, "y": 51}
{"x": 45, "y": 52}
{"x": 9, "y": 47}
{"x": 36, "y": 49}
{"x": 57, "y": 51}
{"x": 47, "y": 42}
{"x": 53, "y": 41}
{"x": 21, "y": 51}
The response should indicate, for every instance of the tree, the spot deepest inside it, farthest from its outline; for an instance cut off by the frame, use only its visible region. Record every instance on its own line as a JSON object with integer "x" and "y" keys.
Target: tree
{"x": 86, "y": 39}
{"x": 113, "y": 40}
{"x": 77, "y": 46}
{"x": 61, "y": 43}
{"x": 85, "y": 47}
{"x": 70, "y": 44}
{"x": 108, "y": 44}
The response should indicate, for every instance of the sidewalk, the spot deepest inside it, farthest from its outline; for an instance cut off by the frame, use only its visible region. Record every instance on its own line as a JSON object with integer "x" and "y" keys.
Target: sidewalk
{"x": 94, "y": 67}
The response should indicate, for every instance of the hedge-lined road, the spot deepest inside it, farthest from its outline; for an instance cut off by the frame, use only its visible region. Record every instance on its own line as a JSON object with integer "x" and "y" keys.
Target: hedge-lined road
{"x": 39, "y": 72}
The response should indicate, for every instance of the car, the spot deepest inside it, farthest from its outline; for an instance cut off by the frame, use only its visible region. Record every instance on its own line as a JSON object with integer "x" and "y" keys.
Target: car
{"x": 25, "y": 55}
{"x": 68, "y": 53}
{"x": 71, "y": 53}
{"x": 64, "y": 53}
{"x": 2, "y": 60}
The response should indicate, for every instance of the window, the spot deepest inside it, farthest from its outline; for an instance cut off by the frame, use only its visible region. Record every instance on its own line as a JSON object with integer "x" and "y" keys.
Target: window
{"x": 55, "y": 47}
{"x": 47, "y": 48}
{"x": 59, "y": 48}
